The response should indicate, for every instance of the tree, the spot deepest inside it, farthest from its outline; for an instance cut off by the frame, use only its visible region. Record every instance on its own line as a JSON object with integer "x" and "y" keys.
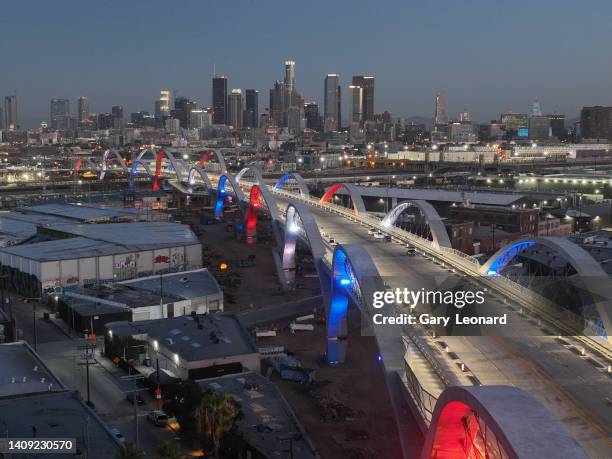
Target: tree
{"x": 216, "y": 415}
{"x": 169, "y": 450}
{"x": 180, "y": 399}
{"x": 129, "y": 451}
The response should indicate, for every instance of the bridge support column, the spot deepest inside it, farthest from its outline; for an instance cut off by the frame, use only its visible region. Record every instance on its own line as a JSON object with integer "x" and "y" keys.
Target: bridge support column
{"x": 337, "y": 327}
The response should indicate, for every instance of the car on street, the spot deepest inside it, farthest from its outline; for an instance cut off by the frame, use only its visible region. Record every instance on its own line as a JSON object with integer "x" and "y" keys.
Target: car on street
{"x": 158, "y": 418}
{"x": 117, "y": 434}
{"x": 379, "y": 235}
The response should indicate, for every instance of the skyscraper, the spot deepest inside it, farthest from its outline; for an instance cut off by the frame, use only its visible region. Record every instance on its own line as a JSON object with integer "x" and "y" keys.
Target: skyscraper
{"x": 441, "y": 117}
{"x": 367, "y": 85}
{"x": 11, "y": 121}
{"x": 356, "y": 93}
{"x": 182, "y": 110}
{"x": 536, "y": 107}
{"x": 290, "y": 76}
{"x": 219, "y": 100}
{"x": 83, "y": 109}
{"x": 596, "y": 122}
{"x": 331, "y": 103}
{"x": 251, "y": 113}
{"x": 235, "y": 109}
{"x": 59, "y": 114}
{"x": 278, "y": 104}
{"x": 557, "y": 125}
{"x": 162, "y": 105}
{"x": 311, "y": 113}
{"x": 117, "y": 114}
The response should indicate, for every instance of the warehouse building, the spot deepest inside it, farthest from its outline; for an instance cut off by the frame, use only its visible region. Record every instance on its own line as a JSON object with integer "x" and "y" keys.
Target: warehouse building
{"x": 186, "y": 347}
{"x": 87, "y": 254}
{"x": 153, "y": 297}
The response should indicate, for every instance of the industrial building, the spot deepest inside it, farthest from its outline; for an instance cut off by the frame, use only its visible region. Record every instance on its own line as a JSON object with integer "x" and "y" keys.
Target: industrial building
{"x": 35, "y": 403}
{"x": 62, "y": 256}
{"x": 186, "y": 347}
{"x": 153, "y": 297}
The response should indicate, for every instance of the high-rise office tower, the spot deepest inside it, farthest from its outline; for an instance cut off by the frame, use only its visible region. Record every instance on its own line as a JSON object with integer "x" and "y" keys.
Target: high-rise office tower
{"x": 117, "y": 115}
{"x": 536, "y": 107}
{"x": 356, "y": 94}
{"x": 251, "y": 112}
{"x": 235, "y": 109}
{"x": 278, "y": 105}
{"x": 83, "y": 109}
{"x": 219, "y": 100}
{"x": 162, "y": 105}
{"x": 11, "y": 121}
{"x": 59, "y": 114}
{"x": 331, "y": 109}
{"x": 441, "y": 117}
{"x": 465, "y": 117}
{"x": 557, "y": 125}
{"x": 290, "y": 76}
{"x": 311, "y": 113}
{"x": 596, "y": 122}
{"x": 366, "y": 83}
{"x": 182, "y": 110}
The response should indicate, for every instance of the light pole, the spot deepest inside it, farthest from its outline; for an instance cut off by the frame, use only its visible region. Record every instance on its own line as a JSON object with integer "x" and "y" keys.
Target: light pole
{"x": 33, "y": 300}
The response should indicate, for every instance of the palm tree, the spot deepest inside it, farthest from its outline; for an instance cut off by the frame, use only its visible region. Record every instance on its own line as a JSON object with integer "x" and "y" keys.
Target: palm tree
{"x": 129, "y": 451}
{"x": 216, "y": 414}
{"x": 169, "y": 450}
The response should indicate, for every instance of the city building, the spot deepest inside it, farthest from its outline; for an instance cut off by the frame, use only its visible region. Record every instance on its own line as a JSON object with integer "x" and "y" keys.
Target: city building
{"x": 219, "y": 100}
{"x": 251, "y": 112}
{"x": 11, "y": 120}
{"x": 60, "y": 114}
{"x": 235, "y": 113}
{"x": 331, "y": 114}
{"x": 557, "y": 126}
{"x": 441, "y": 115}
{"x": 596, "y": 122}
{"x": 153, "y": 297}
{"x": 117, "y": 116}
{"x": 536, "y": 107}
{"x": 539, "y": 128}
{"x": 356, "y": 94}
{"x": 182, "y": 110}
{"x": 514, "y": 122}
{"x": 34, "y": 403}
{"x": 186, "y": 347}
{"x": 366, "y": 83}
{"x": 162, "y": 106}
{"x": 200, "y": 119}
{"x": 83, "y": 109}
{"x": 172, "y": 125}
{"x": 462, "y": 133}
{"x": 465, "y": 117}
{"x": 313, "y": 118}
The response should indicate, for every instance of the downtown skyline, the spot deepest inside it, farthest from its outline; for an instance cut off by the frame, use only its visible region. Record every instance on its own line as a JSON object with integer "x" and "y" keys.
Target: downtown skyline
{"x": 486, "y": 59}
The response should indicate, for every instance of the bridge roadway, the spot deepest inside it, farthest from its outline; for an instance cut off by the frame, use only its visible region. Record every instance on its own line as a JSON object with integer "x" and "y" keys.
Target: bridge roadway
{"x": 568, "y": 384}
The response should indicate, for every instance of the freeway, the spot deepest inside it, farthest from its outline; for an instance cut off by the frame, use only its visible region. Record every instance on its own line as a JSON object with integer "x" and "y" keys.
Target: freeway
{"x": 570, "y": 385}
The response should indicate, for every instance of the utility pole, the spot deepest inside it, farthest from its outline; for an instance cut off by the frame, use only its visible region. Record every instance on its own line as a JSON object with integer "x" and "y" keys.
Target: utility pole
{"x": 89, "y": 355}
{"x": 135, "y": 391}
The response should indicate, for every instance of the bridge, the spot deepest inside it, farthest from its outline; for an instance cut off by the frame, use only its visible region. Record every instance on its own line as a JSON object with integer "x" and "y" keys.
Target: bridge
{"x": 448, "y": 381}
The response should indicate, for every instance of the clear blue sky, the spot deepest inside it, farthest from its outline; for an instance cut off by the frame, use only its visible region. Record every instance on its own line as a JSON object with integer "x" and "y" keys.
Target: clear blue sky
{"x": 487, "y": 56}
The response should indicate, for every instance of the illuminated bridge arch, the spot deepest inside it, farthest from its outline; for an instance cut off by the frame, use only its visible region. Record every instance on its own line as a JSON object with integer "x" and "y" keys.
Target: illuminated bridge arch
{"x": 300, "y": 223}
{"x": 210, "y": 153}
{"x": 177, "y": 167}
{"x": 590, "y": 271}
{"x": 223, "y": 192}
{"x": 108, "y": 155}
{"x": 259, "y": 197}
{"x": 253, "y": 170}
{"x": 495, "y": 422}
{"x": 358, "y": 205}
{"x": 78, "y": 165}
{"x": 354, "y": 277}
{"x": 436, "y": 226}
{"x": 301, "y": 183}
{"x": 193, "y": 172}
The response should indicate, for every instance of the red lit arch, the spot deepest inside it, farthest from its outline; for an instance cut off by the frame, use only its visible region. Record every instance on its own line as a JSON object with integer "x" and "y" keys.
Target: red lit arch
{"x": 358, "y": 205}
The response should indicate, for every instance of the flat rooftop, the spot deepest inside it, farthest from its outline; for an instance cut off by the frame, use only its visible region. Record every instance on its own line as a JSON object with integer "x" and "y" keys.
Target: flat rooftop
{"x": 221, "y": 335}
{"x": 117, "y": 296}
{"x": 57, "y": 415}
{"x": 91, "y": 240}
{"x": 186, "y": 285}
{"x": 268, "y": 423}
{"x": 23, "y": 372}
{"x": 83, "y": 213}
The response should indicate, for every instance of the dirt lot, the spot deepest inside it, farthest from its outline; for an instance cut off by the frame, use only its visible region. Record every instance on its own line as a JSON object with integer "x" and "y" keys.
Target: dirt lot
{"x": 347, "y": 412}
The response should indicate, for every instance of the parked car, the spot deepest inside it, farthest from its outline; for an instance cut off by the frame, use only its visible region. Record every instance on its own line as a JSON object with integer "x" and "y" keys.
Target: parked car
{"x": 117, "y": 434}
{"x": 379, "y": 235}
{"x": 158, "y": 418}
{"x": 411, "y": 252}
{"x": 130, "y": 398}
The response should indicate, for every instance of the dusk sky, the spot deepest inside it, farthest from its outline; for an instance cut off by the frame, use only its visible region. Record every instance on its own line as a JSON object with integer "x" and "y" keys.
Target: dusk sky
{"x": 486, "y": 56}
